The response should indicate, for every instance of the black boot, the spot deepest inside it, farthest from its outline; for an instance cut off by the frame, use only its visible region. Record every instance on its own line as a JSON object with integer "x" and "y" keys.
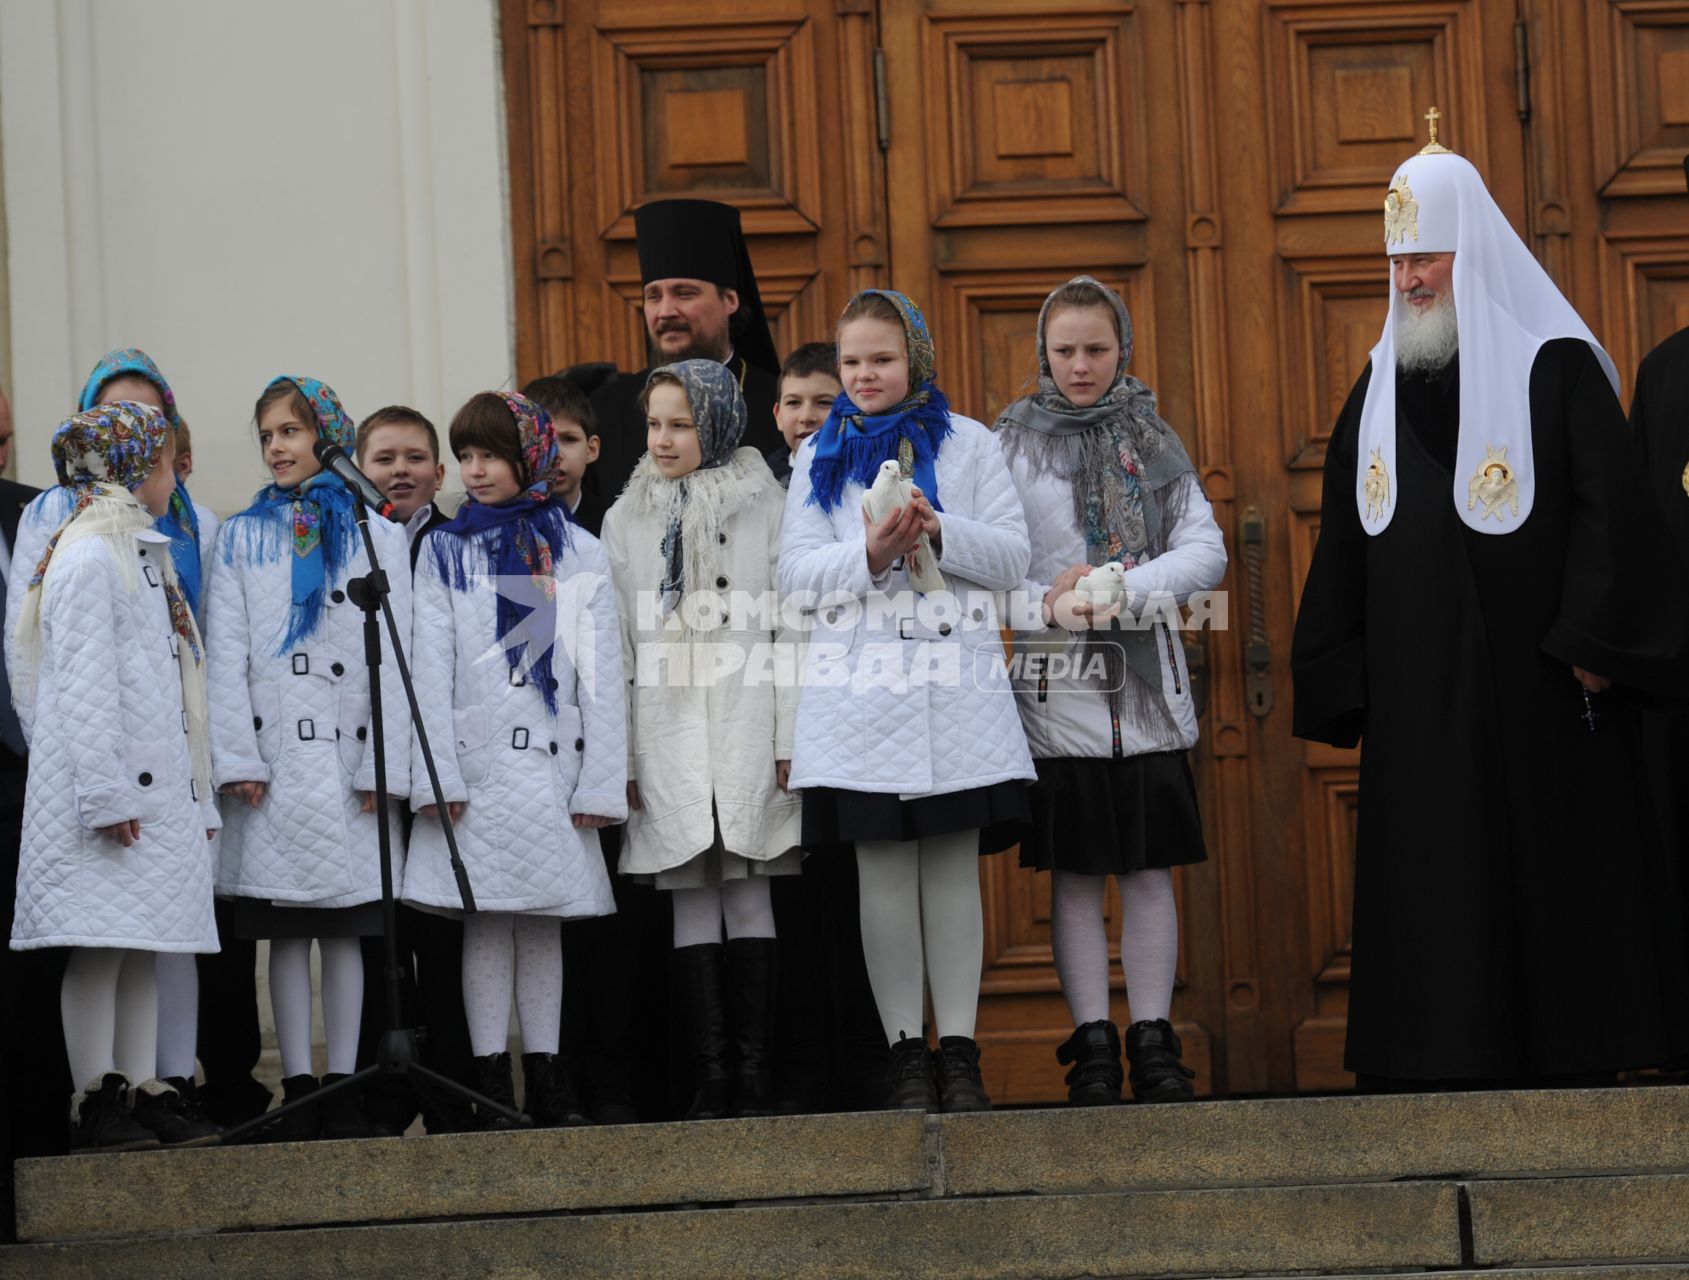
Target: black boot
{"x": 1093, "y": 1050}
{"x": 169, "y": 1110}
{"x": 547, "y": 1094}
{"x": 910, "y": 1085}
{"x": 751, "y": 993}
{"x": 697, "y": 989}
{"x": 493, "y": 1080}
{"x": 100, "y": 1119}
{"x": 301, "y": 1125}
{"x": 1157, "y": 1074}
{"x": 343, "y": 1112}
{"x": 960, "y": 1088}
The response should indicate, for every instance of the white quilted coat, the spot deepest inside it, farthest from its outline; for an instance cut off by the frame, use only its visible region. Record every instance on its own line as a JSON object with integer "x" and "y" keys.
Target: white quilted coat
{"x": 717, "y": 737}
{"x": 110, "y": 694}
{"x": 300, "y": 723}
{"x": 46, "y": 511}
{"x": 901, "y": 693}
{"x": 1066, "y": 713}
{"x": 522, "y": 771}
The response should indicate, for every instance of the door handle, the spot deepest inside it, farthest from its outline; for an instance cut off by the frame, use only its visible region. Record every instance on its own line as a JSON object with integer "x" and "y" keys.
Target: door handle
{"x": 1258, "y": 652}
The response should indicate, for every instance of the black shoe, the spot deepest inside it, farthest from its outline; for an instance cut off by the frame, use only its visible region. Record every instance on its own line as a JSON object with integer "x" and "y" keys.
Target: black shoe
{"x": 751, "y": 993}
{"x": 342, "y": 1112}
{"x": 1093, "y": 1050}
{"x": 956, "y": 1063}
{"x": 910, "y": 1085}
{"x": 100, "y": 1119}
{"x": 548, "y": 1096}
{"x": 301, "y": 1125}
{"x": 1157, "y": 1074}
{"x": 231, "y": 1104}
{"x": 173, "y": 1114}
{"x": 697, "y": 990}
{"x": 493, "y": 1080}
{"x": 613, "y": 1106}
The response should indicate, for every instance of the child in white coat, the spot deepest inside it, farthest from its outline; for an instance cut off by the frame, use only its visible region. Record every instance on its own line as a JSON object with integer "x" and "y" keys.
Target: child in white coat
{"x": 693, "y": 540}
{"x": 290, "y": 736}
{"x": 908, "y": 743}
{"x": 109, "y": 666}
{"x": 1104, "y": 480}
{"x": 518, "y": 667}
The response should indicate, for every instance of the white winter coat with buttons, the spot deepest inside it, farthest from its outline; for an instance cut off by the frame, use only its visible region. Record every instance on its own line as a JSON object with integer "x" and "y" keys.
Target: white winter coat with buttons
{"x": 299, "y": 722}
{"x": 1065, "y": 709}
{"x": 902, "y": 693}
{"x": 521, "y": 770}
{"x": 113, "y": 747}
{"x": 714, "y": 735}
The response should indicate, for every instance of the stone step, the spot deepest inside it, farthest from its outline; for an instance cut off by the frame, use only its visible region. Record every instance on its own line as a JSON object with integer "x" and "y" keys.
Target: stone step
{"x": 1295, "y": 1141}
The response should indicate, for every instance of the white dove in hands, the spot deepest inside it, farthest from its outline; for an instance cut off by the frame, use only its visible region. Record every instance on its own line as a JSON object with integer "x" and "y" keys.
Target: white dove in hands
{"x": 890, "y": 491}
{"x": 1104, "y": 589}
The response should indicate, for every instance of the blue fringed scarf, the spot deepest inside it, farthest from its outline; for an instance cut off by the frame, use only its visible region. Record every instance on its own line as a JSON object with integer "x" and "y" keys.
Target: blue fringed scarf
{"x": 316, "y": 522}
{"x": 852, "y": 446}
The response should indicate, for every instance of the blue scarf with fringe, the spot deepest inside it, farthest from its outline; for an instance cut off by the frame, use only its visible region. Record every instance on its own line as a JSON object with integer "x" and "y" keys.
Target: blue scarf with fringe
{"x": 852, "y": 445}
{"x": 316, "y": 522}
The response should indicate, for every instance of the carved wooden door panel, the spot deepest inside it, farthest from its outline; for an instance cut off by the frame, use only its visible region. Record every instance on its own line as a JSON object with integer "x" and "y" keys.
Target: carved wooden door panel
{"x": 765, "y": 104}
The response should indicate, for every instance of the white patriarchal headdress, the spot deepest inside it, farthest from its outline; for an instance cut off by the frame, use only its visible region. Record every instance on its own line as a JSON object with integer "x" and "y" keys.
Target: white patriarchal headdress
{"x": 1507, "y": 308}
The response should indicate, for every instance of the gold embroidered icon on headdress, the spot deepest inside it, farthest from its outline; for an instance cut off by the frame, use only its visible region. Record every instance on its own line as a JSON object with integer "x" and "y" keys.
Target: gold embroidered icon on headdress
{"x": 1401, "y": 213}
{"x": 1686, "y": 479}
{"x": 1376, "y": 486}
{"x": 1494, "y": 485}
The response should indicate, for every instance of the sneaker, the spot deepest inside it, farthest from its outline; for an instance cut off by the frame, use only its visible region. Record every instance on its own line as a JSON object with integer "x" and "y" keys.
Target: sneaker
{"x": 173, "y": 1116}
{"x": 1157, "y": 1074}
{"x": 100, "y": 1119}
{"x": 956, "y": 1062}
{"x": 910, "y": 1086}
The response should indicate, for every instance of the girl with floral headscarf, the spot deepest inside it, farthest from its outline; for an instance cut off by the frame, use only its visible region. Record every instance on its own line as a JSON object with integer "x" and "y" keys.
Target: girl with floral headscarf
{"x": 109, "y": 669}
{"x": 518, "y": 665}
{"x": 1105, "y": 480}
{"x": 693, "y": 541}
{"x": 908, "y": 745}
{"x": 290, "y": 737}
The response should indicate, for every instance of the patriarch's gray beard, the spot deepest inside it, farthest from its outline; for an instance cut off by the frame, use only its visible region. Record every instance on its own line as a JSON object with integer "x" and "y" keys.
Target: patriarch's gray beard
{"x": 1427, "y": 338}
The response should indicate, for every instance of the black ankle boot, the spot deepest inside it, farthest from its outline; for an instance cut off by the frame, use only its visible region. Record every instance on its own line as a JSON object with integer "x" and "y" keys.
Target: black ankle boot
{"x": 910, "y": 1084}
{"x": 547, "y": 1094}
{"x": 1157, "y": 1074}
{"x": 751, "y": 993}
{"x": 173, "y": 1116}
{"x": 1093, "y": 1050}
{"x": 493, "y": 1080}
{"x": 342, "y": 1113}
{"x": 100, "y": 1119}
{"x": 960, "y": 1088}
{"x": 302, "y": 1125}
{"x": 697, "y": 989}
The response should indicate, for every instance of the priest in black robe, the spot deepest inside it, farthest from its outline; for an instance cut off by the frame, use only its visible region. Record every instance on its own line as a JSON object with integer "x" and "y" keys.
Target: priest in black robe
{"x": 1490, "y": 605}
{"x": 701, "y": 302}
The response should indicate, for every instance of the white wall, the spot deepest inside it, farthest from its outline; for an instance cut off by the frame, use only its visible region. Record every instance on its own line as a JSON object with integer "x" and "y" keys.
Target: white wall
{"x": 250, "y": 187}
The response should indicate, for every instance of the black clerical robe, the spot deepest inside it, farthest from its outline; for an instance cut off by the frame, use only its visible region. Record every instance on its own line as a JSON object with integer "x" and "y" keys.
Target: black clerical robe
{"x": 621, "y": 423}
{"x": 1515, "y": 908}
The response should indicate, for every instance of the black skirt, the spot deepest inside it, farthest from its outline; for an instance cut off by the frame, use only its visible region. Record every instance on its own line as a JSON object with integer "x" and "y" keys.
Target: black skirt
{"x": 1105, "y": 817}
{"x": 254, "y": 918}
{"x": 834, "y": 819}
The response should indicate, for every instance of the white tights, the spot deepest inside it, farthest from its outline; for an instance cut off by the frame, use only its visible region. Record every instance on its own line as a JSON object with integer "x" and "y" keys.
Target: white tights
{"x": 109, "y": 1003}
{"x": 343, "y": 1001}
{"x": 503, "y": 950}
{"x": 743, "y": 904}
{"x": 1149, "y": 942}
{"x": 178, "y": 1013}
{"x": 921, "y": 915}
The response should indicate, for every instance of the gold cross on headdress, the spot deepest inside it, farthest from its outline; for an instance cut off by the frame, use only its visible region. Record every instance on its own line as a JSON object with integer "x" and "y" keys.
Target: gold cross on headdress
{"x": 1434, "y": 148}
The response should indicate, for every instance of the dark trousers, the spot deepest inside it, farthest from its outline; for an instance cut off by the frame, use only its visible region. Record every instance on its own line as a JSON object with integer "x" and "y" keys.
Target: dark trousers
{"x": 229, "y": 1038}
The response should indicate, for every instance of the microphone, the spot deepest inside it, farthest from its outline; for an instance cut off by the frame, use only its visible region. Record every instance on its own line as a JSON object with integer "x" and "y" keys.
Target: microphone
{"x": 335, "y": 459}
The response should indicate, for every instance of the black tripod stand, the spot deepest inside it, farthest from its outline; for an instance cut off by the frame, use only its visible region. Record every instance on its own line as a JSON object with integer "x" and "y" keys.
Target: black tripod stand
{"x": 396, "y": 1055}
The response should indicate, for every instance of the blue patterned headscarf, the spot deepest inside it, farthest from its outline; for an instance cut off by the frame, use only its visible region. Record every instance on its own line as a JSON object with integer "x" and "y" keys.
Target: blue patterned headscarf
{"x": 315, "y": 519}
{"x": 516, "y": 542}
{"x": 852, "y": 445}
{"x": 180, "y": 524}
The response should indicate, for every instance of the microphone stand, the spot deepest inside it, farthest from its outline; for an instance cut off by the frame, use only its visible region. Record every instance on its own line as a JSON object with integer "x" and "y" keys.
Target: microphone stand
{"x": 397, "y": 1053}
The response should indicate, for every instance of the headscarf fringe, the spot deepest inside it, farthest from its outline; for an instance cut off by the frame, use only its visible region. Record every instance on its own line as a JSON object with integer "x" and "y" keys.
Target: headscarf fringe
{"x": 861, "y": 454}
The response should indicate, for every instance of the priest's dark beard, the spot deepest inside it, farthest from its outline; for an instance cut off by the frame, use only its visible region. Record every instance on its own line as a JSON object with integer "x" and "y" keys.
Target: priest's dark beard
{"x": 1427, "y": 340}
